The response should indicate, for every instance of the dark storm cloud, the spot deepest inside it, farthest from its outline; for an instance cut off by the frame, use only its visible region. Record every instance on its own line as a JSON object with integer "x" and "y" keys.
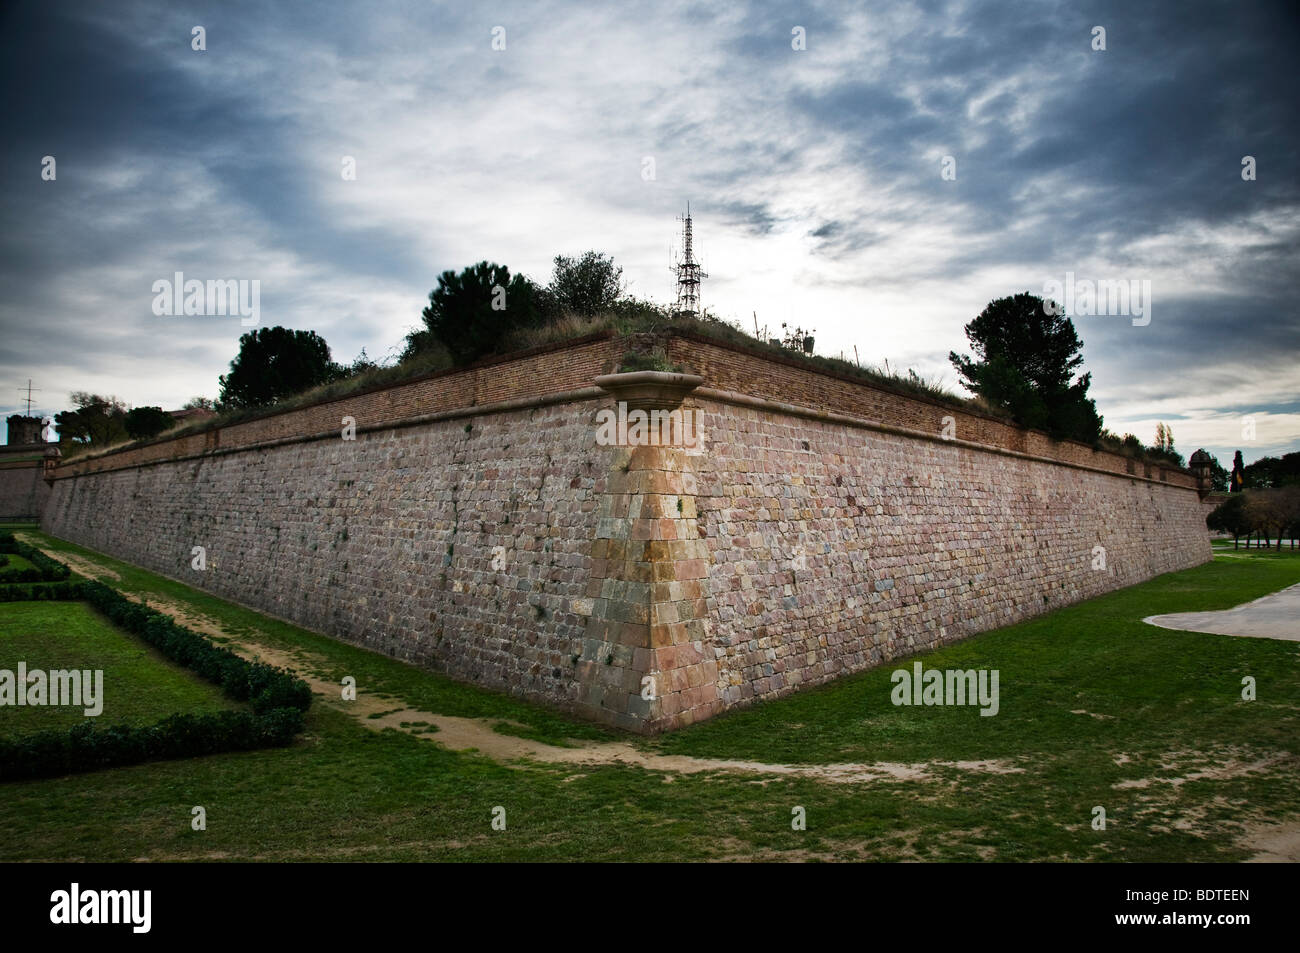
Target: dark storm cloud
{"x": 1157, "y": 124}
{"x": 1120, "y": 164}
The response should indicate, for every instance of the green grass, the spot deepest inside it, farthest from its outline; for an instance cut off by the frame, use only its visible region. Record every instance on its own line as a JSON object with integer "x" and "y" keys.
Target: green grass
{"x": 16, "y": 562}
{"x": 139, "y": 685}
{"x": 345, "y": 792}
{"x": 1155, "y": 686}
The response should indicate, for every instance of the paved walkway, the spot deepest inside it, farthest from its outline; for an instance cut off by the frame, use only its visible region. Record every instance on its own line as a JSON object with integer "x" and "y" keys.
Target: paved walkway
{"x": 1275, "y": 616}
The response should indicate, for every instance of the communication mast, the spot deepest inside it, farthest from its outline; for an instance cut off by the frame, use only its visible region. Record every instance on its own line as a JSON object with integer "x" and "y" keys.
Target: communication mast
{"x": 689, "y": 271}
{"x": 29, "y": 395}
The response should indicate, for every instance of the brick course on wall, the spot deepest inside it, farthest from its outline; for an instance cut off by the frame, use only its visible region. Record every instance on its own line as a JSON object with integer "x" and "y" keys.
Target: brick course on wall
{"x": 793, "y": 381}
{"x": 819, "y": 527}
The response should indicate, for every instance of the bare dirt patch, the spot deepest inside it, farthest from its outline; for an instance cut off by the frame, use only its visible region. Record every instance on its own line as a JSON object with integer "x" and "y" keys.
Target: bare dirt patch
{"x": 1274, "y": 843}
{"x": 1229, "y": 768}
{"x": 78, "y": 564}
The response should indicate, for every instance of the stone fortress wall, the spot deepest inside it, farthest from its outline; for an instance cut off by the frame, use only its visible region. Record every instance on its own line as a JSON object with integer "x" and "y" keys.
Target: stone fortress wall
{"x": 819, "y": 525}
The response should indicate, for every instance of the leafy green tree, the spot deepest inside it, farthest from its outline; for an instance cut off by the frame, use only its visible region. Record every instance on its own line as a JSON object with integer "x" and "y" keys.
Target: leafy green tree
{"x": 471, "y": 313}
{"x": 1218, "y": 475}
{"x": 144, "y": 422}
{"x": 1266, "y": 512}
{"x": 1289, "y": 502}
{"x": 1026, "y": 357}
{"x": 1269, "y": 472}
{"x": 589, "y": 285}
{"x": 274, "y": 363}
{"x": 199, "y": 403}
{"x": 1230, "y": 517}
{"x": 96, "y": 422}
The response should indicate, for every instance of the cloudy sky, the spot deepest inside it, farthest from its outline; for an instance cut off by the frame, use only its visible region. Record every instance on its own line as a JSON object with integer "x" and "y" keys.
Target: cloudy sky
{"x": 816, "y": 177}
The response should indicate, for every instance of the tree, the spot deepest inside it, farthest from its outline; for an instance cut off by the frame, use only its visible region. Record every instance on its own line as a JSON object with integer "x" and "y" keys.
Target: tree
{"x": 1163, "y": 448}
{"x": 588, "y": 285}
{"x": 96, "y": 422}
{"x": 1027, "y": 355}
{"x": 1230, "y": 517}
{"x": 144, "y": 422}
{"x": 1273, "y": 471}
{"x": 1237, "y": 482}
{"x": 361, "y": 364}
{"x": 1266, "y": 512}
{"x": 199, "y": 403}
{"x": 471, "y": 313}
{"x": 1289, "y": 507}
{"x": 274, "y": 363}
{"x": 1218, "y": 475}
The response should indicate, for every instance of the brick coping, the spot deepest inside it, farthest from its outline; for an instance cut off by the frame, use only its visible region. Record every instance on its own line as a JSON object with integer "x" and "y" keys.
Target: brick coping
{"x": 905, "y": 395}
{"x": 475, "y": 410}
{"x": 105, "y": 462}
{"x": 862, "y": 423}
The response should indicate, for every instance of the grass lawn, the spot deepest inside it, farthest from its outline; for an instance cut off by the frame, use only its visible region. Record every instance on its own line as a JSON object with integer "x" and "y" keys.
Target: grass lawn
{"x": 1096, "y": 709}
{"x": 16, "y": 562}
{"x": 139, "y": 685}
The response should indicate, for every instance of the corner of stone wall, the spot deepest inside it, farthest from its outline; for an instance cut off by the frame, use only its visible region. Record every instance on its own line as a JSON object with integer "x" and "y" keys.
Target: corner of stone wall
{"x": 646, "y": 664}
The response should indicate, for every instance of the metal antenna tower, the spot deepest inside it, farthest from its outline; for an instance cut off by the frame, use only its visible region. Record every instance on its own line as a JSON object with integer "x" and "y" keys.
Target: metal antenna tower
{"x": 688, "y": 271}
{"x": 29, "y": 395}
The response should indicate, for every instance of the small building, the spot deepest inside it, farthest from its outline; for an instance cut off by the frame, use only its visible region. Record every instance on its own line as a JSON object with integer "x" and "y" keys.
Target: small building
{"x": 23, "y": 461}
{"x": 192, "y": 413}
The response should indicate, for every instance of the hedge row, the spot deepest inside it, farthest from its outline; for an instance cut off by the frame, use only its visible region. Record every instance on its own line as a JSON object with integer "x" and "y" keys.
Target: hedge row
{"x": 53, "y": 591}
{"x": 277, "y": 698}
{"x": 44, "y": 569}
{"x": 89, "y": 748}
{"x": 265, "y": 687}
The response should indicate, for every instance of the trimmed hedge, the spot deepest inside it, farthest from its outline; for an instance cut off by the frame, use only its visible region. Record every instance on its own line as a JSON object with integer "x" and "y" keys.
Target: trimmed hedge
{"x": 265, "y": 687}
{"x": 86, "y": 747}
{"x": 278, "y": 699}
{"x": 35, "y": 592}
{"x": 44, "y": 569}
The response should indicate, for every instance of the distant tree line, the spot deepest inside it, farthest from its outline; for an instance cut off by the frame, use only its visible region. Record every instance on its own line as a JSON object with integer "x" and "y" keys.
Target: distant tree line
{"x": 97, "y": 421}
{"x": 1265, "y": 514}
{"x": 469, "y": 315}
{"x": 1265, "y": 503}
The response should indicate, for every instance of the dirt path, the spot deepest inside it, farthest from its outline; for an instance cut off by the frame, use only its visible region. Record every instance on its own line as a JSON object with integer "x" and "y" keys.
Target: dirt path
{"x": 81, "y": 565}
{"x": 479, "y": 734}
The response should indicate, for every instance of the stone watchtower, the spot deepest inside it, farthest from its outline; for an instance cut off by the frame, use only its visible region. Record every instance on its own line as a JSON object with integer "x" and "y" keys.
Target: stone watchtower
{"x": 26, "y": 465}
{"x": 25, "y": 431}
